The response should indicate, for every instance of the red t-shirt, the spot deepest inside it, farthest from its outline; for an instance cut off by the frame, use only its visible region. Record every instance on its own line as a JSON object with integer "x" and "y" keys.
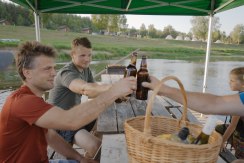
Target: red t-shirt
{"x": 21, "y": 140}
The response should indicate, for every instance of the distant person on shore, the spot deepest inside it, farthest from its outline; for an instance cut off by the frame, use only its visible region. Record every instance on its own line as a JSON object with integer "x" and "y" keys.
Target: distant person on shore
{"x": 204, "y": 102}
{"x": 27, "y": 121}
{"x": 234, "y": 133}
{"x": 74, "y": 80}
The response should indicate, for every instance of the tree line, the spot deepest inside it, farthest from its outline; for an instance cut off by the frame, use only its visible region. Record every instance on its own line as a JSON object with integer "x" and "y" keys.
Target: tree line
{"x": 20, "y": 16}
{"x": 200, "y": 30}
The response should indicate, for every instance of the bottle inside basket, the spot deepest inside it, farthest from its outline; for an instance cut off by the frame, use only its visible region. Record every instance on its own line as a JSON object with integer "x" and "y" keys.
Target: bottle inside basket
{"x": 180, "y": 137}
{"x": 206, "y": 131}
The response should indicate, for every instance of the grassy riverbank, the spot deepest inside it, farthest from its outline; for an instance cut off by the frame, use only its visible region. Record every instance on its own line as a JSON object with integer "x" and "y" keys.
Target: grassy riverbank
{"x": 118, "y": 47}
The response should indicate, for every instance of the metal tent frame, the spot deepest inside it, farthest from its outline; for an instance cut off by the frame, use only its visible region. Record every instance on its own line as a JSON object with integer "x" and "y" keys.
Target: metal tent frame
{"x": 127, "y": 10}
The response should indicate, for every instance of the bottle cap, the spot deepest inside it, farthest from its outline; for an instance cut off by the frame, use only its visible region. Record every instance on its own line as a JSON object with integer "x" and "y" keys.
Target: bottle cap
{"x": 184, "y": 133}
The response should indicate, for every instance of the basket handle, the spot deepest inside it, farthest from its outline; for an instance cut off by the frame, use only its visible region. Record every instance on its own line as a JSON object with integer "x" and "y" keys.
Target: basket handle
{"x": 147, "y": 130}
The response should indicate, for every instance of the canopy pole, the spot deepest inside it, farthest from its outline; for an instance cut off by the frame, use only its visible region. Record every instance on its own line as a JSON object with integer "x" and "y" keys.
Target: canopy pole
{"x": 37, "y": 27}
{"x": 207, "y": 53}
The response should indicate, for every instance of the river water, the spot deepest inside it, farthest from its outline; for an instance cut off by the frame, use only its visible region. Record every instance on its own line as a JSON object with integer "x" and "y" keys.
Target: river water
{"x": 189, "y": 70}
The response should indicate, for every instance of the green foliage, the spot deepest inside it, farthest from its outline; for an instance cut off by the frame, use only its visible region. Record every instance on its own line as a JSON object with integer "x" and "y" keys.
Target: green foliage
{"x": 11, "y": 44}
{"x": 15, "y": 14}
{"x": 112, "y": 23}
{"x": 200, "y": 26}
{"x": 133, "y": 30}
{"x": 151, "y": 31}
{"x": 143, "y": 31}
{"x": 100, "y": 56}
{"x": 216, "y": 35}
{"x": 59, "y": 46}
{"x": 169, "y": 30}
{"x": 238, "y": 33}
{"x": 100, "y": 21}
{"x": 20, "y": 20}
{"x": 117, "y": 47}
{"x": 31, "y": 17}
{"x": 21, "y": 16}
{"x": 74, "y": 22}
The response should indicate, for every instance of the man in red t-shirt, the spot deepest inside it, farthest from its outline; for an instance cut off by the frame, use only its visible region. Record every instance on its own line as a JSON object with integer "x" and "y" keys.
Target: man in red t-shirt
{"x": 27, "y": 121}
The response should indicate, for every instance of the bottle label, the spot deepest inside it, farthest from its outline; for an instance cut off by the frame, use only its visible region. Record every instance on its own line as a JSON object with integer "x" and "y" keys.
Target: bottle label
{"x": 140, "y": 79}
{"x": 131, "y": 72}
{"x": 209, "y": 125}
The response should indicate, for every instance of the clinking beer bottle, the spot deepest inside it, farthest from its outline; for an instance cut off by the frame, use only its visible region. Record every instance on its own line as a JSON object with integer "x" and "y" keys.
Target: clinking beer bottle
{"x": 131, "y": 69}
{"x": 206, "y": 131}
{"x": 142, "y": 76}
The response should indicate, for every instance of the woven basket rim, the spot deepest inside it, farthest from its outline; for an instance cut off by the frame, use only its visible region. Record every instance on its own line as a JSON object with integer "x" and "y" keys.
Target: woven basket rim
{"x": 172, "y": 144}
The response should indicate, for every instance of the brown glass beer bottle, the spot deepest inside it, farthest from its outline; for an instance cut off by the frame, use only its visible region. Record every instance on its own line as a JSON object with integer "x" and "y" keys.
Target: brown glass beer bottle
{"x": 130, "y": 70}
{"x": 142, "y": 76}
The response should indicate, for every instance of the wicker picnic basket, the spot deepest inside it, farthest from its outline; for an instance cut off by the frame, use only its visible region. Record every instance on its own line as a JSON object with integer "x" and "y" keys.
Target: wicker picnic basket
{"x": 144, "y": 147}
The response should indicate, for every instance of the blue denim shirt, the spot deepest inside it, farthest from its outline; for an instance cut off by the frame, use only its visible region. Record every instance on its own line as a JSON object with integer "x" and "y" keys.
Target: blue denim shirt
{"x": 242, "y": 97}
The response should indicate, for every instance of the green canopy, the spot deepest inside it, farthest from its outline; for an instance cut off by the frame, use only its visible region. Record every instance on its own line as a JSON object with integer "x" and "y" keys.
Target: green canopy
{"x": 140, "y": 7}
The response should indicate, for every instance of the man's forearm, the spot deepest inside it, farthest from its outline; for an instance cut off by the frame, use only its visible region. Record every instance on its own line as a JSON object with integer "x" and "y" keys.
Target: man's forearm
{"x": 93, "y": 90}
{"x": 200, "y": 102}
{"x": 85, "y": 113}
{"x": 206, "y": 103}
{"x": 58, "y": 144}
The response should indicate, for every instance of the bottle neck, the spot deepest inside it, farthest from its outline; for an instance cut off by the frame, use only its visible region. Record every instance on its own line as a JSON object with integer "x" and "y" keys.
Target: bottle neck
{"x": 144, "y": 63}
{"x": 133, "y": 60}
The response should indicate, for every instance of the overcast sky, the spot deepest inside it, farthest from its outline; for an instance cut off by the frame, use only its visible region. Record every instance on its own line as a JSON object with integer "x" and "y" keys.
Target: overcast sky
{"x": 229, "y": 19}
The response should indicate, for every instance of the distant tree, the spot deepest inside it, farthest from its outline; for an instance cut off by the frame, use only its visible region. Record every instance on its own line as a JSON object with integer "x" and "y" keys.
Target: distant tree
{"x": 31, "y": 17}
{"x": 44, "y": 18}
{"x": 216, "y": 35}
{"x": 20, "y": 21}
{"x": 200, "y": 26}
{"x": 152, "y": 31}
{"x": 132, "y": 30}
{"x": 112, "y": 23}
{"x": 182, "y": 34}
{"x": 159, "y": 33}
{"x": 143, "y": 30}
{"x": 238, "y": 33}
{"x": 11, "y": 12}
{"x": 122, "y": 20}
{"x": 100, "y": 21}
{"x": 189, "y": 34}
{"x": 3, "y": 11}
{"x": 222, "y": 36}
{"x": 169, "y": 30}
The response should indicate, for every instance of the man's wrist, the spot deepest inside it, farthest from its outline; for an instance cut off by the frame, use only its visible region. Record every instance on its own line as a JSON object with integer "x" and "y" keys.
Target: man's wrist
{"x": 164, "y": 90}
{"x": 115, "y": 94}
{"x": 80, "y": 158}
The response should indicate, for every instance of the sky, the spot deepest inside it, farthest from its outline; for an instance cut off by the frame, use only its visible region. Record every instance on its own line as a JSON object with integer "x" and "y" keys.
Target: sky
{"x": 228, "y": 20}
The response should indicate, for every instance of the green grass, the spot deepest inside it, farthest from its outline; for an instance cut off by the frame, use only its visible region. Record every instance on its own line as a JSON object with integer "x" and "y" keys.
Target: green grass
{"x": 118, "y": 46}
{"x": 101, "y": 56}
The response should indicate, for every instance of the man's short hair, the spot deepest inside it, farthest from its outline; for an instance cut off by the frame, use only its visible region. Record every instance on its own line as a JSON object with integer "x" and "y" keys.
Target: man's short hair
{"x": 28, "y": 51}
{"x": 80, "y": 41}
